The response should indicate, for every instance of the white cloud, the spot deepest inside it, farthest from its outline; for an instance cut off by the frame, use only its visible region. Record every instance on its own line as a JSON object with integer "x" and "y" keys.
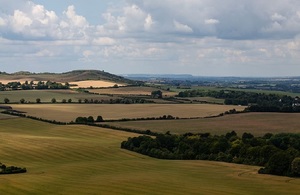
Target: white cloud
{"x": 211, "y": 21}
{"x": 104, "y": 41}
{"x": 19, "y": 21}
{"x": 2, "y": 22}
{"x": 182, "y": 27}
{"x": 148, "y": 22}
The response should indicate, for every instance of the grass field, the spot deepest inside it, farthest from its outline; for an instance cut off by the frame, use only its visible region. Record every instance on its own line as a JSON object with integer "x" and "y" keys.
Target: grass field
{"x": 131, "y": 91}
{"x": 47, "y": 95}
{"x": 255, "y": 123}
{"x": 69, "y": 112}
{"x": 88, "y": 160}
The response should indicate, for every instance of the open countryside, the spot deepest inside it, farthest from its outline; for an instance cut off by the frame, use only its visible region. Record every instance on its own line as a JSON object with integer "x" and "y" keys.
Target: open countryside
{"x": 256, "y": 123}
{"x": 88, "y": 160}
{"x": 69, "y": 112}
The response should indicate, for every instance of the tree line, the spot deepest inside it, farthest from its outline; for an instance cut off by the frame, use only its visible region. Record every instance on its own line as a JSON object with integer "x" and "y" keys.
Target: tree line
{"x": 279, "y": 154}
{"x": 11, "y": 169}
{"x": 31, "y": 85}
{"x": 256, "y": 102}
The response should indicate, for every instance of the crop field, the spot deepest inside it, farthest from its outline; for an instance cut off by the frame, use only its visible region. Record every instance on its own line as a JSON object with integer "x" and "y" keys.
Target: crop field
{"x": 255, "y": 123}
{"x": 5, "y": 116}
{"x": 69, "y": 112}
{"x": 88, "y": 160}
{"x": 131, "y": 91}
{"x": 94, "y": 83}
{"x": 47, "y": 95}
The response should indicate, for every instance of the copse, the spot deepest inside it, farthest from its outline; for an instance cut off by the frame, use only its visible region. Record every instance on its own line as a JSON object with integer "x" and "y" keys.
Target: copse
{"x": 278, "y": 154}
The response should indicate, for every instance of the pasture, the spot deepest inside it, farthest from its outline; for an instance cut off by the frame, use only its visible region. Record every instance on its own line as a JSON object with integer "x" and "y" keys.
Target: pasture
{"x": 69, "y": 112}
{"x": 255, "y": 123}
{"x": 131, "y": 91}
{"x": 47, "y": 95}
{"x": 88, "y": 160}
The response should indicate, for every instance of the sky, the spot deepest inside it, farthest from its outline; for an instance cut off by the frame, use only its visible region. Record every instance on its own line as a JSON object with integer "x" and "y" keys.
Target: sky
{"x": 198, "y": 37}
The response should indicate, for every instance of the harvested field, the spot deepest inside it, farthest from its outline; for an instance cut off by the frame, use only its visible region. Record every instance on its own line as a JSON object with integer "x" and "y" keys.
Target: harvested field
{"x": 5, "y": 116}
{"x": 255, "y": 123}
{"x": 47, "y": 95}
{"x": 69, "y": 112}
{"x": 94, "y": 83}
{"x": 131, "y": 91}
{"x": 87, "y": 160}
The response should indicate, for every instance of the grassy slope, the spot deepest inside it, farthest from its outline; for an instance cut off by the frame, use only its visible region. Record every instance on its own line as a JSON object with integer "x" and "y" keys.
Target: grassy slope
{"x": 256, "y": 123}
{"x": 69, "y": 112}
{"x": 86, "y": 160}
{"x": 76, "y": 75}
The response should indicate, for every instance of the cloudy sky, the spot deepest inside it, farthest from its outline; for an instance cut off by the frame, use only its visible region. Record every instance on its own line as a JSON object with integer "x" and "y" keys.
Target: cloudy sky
{"x": 199, "y": 37}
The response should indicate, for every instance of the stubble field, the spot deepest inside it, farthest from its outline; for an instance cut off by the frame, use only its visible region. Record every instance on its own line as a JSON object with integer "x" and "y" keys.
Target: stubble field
{"x": 131, "y": 91}
{"x": 69, "y": 112}
{"x": 88, "y": 160}
{"x": 255, "y": 123}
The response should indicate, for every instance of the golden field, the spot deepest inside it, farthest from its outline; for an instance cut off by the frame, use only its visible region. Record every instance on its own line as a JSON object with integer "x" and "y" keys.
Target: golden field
{"x": 69, "y": 112}
{"x": 88, "y": 160}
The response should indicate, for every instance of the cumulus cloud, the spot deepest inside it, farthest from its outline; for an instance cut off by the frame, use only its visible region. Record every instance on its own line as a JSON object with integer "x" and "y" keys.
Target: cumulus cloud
{"x": 206, "y": 35}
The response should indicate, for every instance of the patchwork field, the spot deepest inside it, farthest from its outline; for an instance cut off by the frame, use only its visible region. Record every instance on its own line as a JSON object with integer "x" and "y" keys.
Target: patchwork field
{"x": 131, "y": 91}
{"x": 88, "y": 160}
{"x": 47, "y": 95}
{"x": 255, "y": 123}
{"x": 69, "y": 112}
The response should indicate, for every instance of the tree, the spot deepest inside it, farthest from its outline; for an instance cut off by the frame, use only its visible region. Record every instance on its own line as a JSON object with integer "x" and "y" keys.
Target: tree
{"x": 279, "y": 164}
{"x": 53, "y": 100}
{"x": 296, "y": 166}
{"x": 69, "y": 100}
{"x": 6, "y": 100}
{"x": 90, "y": 119}
{"x": 156, "y": 94}
{"x": 79, "y": 101}
{"x": 22, "y": 101}
{"x": 99, "y": 119}
{"x": 64, "y": 101}
{"x": 38, "y": 100}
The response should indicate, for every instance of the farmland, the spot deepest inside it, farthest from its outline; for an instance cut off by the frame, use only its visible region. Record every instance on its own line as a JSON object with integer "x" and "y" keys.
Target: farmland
{"x": 94, "y": 83}
{"x": 256, "y": 123}
{"x": 69, "y": 112}
{"x": 47, "y": 95}
{"x": 131, "y": 91}
{"x": 87, "y": 160}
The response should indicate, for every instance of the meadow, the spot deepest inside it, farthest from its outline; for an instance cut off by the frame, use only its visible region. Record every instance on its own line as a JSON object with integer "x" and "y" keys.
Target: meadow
{"x": 256, "y": 123}
{"x": 88, "y": 160}
{"x": 69, "y": 112}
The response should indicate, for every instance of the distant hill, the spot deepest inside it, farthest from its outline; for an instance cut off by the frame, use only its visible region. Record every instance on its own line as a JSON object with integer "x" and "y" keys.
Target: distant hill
{"x": 76, "y": 75}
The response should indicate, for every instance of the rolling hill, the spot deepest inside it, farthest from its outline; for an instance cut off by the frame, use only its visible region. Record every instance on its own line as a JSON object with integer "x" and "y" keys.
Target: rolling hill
{"x": 72, "y": 76}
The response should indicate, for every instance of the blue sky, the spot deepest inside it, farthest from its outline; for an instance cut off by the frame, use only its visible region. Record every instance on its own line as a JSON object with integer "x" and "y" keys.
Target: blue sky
{"x": 206, "y": 38}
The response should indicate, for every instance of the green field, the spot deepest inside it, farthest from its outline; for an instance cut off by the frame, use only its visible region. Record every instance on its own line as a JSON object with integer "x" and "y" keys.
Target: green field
{"x": 69, "y": 112}
{"x": 255, "y": 123}
{"x": 88, "y": 160}
{"x": 47, "y": 95}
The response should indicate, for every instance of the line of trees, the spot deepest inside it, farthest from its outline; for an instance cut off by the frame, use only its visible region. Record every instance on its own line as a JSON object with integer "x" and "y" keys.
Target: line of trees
{"x": 257, "y": 102}
{"x": 11, "y": 169}
{"x": 278, "y": 154}
{"x": 31, "y": 85}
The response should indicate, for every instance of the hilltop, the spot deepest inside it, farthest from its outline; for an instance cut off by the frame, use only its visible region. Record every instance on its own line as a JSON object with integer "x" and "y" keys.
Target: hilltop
{"x": 72, "y": 76}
